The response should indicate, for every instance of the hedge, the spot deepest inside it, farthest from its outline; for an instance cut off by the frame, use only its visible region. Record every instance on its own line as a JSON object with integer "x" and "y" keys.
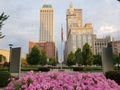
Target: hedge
{"x": 44, "y": 69}
{"x": 113, "y": 75}
{"x": 4, "y": 78}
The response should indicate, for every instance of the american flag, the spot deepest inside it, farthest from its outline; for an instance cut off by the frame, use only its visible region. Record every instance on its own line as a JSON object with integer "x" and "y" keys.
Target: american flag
{"x": 62, "y": 34}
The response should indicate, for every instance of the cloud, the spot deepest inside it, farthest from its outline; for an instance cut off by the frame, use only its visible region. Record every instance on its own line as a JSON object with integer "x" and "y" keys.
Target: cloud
{"x": 108, "y": 29}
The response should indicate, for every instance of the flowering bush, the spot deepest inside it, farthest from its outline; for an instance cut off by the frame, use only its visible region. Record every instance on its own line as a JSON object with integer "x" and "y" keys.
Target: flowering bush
{"x": 62, "y": 81}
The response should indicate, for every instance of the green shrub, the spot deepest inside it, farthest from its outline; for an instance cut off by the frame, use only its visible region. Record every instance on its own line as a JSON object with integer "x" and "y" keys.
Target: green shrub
{"x": 3, "y": 68}
{"x": 44, "y": 69}
{"x": 113, "y": 75}
{"x": 4, "y": 78}
{"x": 78, "y": 68}
{"x": 29, "y": 68}
{"x": 87, "y": 69}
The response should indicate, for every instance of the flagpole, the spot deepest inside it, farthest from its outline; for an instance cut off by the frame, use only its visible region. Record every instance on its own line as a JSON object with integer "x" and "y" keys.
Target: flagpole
{"x": 61, "y": 45}
{"x": 61, "y": 54}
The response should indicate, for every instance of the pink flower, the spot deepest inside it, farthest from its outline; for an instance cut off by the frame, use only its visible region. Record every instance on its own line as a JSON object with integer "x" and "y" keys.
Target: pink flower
{"x": 63, "y": 81}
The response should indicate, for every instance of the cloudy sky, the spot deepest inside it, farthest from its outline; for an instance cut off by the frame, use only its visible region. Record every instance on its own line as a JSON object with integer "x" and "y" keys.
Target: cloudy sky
{"x": 23, "y": 24}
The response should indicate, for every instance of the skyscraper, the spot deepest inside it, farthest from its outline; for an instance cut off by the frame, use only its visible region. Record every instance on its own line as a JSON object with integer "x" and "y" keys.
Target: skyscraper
{"x": 77, "y": 35}
{"x": 46, "y": 24}
{"x": 46, "y": 38}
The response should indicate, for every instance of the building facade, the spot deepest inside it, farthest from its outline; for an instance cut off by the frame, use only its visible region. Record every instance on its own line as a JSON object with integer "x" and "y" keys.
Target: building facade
{"x": 101, "y": 43}
{"x": 77, "y": 35}
{"x": 116, "y": 47}
{"x": 46, "y": 24}
{"x": 5, "y": 54}
{"x": 48, "y": 47}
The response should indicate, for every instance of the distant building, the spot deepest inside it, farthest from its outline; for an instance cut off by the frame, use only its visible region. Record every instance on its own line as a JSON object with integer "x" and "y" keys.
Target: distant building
{"x": 77, "y": 35}
{"x": 101, "y": 43}
{"x": 48, "y": 47}
{"x": 46, "y": 24}
{"x": 4, "y": 53}
{"x": 116, "y": 47}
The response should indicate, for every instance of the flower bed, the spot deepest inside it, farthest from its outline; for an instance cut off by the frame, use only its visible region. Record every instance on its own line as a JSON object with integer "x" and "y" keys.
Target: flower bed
{"x": 62, "y": 81}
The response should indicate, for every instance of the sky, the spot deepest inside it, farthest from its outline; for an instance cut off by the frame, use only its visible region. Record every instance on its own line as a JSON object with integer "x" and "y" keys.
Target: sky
{"x": 24, "y": 22}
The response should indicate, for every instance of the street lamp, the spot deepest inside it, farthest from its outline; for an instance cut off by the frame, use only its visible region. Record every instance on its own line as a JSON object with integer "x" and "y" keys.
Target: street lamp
{"x": 10, "y": 45}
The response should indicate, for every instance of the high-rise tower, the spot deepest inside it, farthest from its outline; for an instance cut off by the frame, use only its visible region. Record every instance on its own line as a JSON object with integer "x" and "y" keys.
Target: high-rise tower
{"x": 46, "y": 38}
{"x": 77, "y": 34}
{"x": 46, "y": 24}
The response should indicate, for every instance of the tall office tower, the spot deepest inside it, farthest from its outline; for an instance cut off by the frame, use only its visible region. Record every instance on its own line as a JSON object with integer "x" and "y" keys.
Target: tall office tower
{"x": 46, "y": 24}
{"x": 77, "y": 35}
{"x": 46, "y": 39}
{"x": 73, "y": 18}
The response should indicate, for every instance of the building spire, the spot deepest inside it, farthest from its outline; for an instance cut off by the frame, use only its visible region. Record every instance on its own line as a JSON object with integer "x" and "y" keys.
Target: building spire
{"x": 71, "y": 4}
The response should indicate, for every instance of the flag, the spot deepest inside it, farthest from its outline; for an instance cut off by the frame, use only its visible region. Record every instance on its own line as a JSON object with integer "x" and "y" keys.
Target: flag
{"x": 62, "y": 34}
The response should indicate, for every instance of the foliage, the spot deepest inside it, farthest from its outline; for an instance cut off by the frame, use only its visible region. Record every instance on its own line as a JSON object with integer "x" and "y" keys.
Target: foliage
{"x": 116, "y": 59}
{"x": 43, "y": 59}
{"x": 44, "y": 69}
{"x": 78, "y": 56}
{"x": 62, "y": 81}
{"x": 71, "y": 59}
{"x": 87, "y": 69}
{"x": 29, "y": 68}
{"x": 118, "y": 0}
{"x": 24, "y": 61}
{"x": 78, "y": 69}
{"x": 97, "y": 60}
{"x": 4, "y": 78}
{"x": 3, "y": 17}
{"x": 52, "y": 61}
{"x": 87, "y": 55}
{"x": 6, "y": 64}
{"x": 114, "y": 75}
{"x": 3, "y": 68}
{"x": 34, "y": 57}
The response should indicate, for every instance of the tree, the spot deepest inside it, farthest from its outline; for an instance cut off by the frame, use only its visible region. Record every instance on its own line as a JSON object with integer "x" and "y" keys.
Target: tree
{"x": 118, "y": 0}
{"x": 24, "y": 61}
{"x": 3, "y": 17}
{"x": 97, "y": 60}
{"x": 119, "y": 60}
{"x": 78, "y": 56}
{"x": 43, "y": 59}
{"x": 71, "y": 59}
{"x": 87, "y": 55}
{"x": 34, "y": 57}
{"x": 116, "y": 59}
{"x": 52, "y": 61}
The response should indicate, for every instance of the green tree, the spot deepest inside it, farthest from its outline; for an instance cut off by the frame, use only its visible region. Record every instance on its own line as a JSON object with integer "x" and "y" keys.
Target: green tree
{"x": 116, "y": 59}
{"x": 34, "y": 57}
{"x": 71, "y": 59}
{"x": 52, "y": 61}
{"x": 97, "y": 60}
{"x": 3, "y": 17}
{"x": 43, "y": 59}
{"x": 87, "y": 55}
{"x": 118, "y": 0}
{"x": 24, "y": 61}
{"x": 119, "y": 60}
{"x": 78, "y": 56}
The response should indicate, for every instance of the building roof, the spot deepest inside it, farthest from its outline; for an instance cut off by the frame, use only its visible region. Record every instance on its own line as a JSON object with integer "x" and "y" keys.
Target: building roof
{"x": 47, "y": 6}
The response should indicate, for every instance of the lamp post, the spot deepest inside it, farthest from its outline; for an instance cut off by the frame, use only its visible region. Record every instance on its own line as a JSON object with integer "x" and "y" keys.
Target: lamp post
{"x": 10, "y": 45}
